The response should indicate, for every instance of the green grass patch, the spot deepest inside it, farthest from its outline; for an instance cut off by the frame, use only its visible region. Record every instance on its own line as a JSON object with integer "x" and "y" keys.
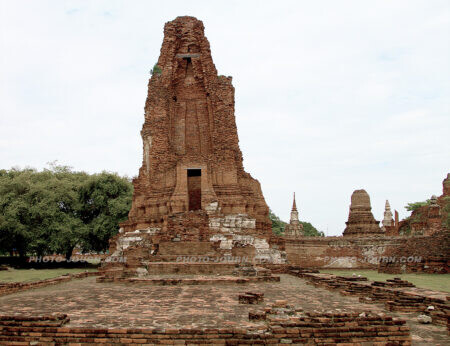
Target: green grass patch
{"x": 438, "y": 282}
{"x": 30, "y": 275}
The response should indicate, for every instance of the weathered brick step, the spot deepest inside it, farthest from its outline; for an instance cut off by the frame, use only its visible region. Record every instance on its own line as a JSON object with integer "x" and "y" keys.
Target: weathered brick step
{"x": 192, "y": 281}
{"x": 12, "y": 287}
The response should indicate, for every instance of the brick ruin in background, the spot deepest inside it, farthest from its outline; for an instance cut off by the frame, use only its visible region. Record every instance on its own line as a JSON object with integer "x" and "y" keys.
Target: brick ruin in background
{"x": 361, "y": 222}
{"x": 192, "y": 196}
{"x": 431, "y": 218}
{"x": 427, "y": 231}
{"x": 431, "y": 255}
{"x": 294, "y": 229}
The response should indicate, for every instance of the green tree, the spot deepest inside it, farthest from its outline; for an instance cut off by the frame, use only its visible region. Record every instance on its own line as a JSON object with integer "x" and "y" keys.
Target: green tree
{"x": 416, "y": 205}
{"x": 14, "y": 232}
{"x": 310, "y": 231}
{"x": 105, "y": 201}
{"x": 277, "y": 224}
{"x": 39, "y": 210}
{"x": 56, "y": 209}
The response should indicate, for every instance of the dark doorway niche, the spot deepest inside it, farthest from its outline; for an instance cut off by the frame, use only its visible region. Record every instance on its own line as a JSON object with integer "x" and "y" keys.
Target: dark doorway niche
{"x": 194, "y": 182}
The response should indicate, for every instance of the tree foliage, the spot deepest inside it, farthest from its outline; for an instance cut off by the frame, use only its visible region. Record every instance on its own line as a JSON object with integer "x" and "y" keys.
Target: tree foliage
{"x": 277, "y": 224}
{"x": 416, "y": 205}
{"x": 105, "y": 201}
{"x": 310, "y": 231}
{"x": 54, "y": 210}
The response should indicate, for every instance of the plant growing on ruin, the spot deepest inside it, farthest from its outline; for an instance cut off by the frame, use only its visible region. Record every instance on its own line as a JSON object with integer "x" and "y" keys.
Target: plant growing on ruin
{"x": 156, "y": 70}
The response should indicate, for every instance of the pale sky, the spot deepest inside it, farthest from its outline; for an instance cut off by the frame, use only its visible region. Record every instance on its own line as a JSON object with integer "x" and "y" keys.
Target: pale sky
{"x": 331, "y": 96}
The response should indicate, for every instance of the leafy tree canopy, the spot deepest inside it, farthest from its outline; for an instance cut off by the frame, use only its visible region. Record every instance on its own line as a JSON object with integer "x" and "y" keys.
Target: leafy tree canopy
{"x": 416, "y": 205}
{"x": 56, "y": 209}
{"x": 277, "y": 224}
{"x": 310, "y": 230}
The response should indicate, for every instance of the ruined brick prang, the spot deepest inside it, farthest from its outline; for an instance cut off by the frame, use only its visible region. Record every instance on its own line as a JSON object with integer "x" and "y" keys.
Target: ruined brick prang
{"x": 361, "y": 222}
{"x": 190, "y": 125}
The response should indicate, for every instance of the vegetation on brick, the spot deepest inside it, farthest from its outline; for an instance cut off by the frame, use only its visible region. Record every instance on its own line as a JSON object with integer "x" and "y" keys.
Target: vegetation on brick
{"x": 156, "y": 70}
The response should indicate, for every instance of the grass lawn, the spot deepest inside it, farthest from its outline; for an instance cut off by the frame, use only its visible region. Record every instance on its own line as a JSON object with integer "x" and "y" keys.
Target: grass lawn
{"x": 22, "y": 275}
{"x": 438, "y": 282}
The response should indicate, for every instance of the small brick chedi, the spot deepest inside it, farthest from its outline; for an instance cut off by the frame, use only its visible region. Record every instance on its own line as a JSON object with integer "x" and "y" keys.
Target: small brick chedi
{"x": 361, "y": 222}
{"x": 192, "y": 195}
{"x": 294, "y": 229}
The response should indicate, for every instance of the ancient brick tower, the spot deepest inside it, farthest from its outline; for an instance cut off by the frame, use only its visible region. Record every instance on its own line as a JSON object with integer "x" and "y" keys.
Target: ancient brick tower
{"x": 361, "y": 222}
{"x": 191, "y": 153}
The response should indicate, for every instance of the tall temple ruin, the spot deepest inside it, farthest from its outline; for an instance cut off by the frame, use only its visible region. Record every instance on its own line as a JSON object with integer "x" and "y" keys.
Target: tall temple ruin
{"x": 191, "y": 156}
{"x": 361, "y": 222}
{"x": 192, "y": 195}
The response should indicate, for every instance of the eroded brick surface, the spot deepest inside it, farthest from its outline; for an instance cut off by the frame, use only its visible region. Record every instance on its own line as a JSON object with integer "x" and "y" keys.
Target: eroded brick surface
{"x": 191, "y": 154}
{"x": 90, "y": 304}
{"x": 361, "y": 222}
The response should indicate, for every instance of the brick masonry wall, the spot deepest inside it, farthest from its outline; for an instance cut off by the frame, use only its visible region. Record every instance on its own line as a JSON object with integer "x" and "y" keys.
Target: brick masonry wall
{"x": 316, "y": 328}
{"x": 434, "y": 252}
{"x": 409, "y": 299}
{"x": 340, "y": 252}
{"x": 12, "y": 287}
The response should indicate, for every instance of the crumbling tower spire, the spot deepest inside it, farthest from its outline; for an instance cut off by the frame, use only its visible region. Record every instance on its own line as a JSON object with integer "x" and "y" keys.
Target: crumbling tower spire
{"x": 294, "y": 212}
{"x": 294, "y": 229}
{"x": 388, "y": 220}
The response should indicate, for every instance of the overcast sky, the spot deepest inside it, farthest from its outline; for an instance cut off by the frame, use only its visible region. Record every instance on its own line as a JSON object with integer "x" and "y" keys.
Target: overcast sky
{"x": 331, "y": 96}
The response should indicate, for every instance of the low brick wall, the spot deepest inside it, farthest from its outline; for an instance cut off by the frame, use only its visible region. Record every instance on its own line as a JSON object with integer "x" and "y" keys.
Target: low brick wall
{"x": 34, "y": 321}
{"x": 314, "y": 328}
{"x": 191, "y": 281}
{"x": 403, "y": 298}
{"x": 12, "y": 287}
